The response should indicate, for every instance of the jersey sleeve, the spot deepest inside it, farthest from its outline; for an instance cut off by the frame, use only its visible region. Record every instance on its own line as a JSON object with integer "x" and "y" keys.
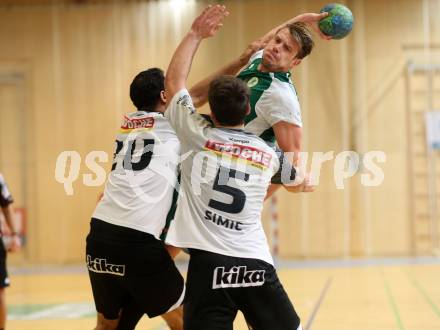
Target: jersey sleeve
{"x": 5, "y": 195}
{"x": 254, "y": 57}
{"x": 286, "y": 173}
{"x": 188, "y": 124}
{"x": 257, "y": 55}
{"x": 279, "y": 103}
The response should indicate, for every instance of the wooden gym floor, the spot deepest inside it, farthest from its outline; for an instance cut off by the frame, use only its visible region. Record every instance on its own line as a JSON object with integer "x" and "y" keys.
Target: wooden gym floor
{"x": 379, "y": 294}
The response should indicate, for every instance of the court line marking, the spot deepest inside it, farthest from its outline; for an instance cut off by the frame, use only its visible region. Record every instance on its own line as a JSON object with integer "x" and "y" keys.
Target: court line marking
{"x": 318, "y": 303}
{"x": 75, "y": 310}
{"x": 422, "y": 291}
{"x": 351, "y": 263}
{"x": 392, "y": 301}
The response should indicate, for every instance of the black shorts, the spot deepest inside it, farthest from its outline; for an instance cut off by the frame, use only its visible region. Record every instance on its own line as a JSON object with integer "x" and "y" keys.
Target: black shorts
{"x": 126, "y": 264}
{"x": 218, "y": 286}
{"x": 4, "y": 279}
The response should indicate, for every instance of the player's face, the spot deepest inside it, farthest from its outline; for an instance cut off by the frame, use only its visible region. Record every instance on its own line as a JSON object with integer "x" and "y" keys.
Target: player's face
{"x": 280, "y": 52}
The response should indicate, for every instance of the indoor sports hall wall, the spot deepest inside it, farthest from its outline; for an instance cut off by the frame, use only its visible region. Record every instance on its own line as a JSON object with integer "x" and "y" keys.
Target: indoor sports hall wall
{"x": 65, "y": 69}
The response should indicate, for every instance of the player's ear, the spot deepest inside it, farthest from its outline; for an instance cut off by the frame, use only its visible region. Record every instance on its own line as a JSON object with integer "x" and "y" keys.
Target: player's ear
{"x": 163, "y": 97}
{"x": 248, "y": 109}
{"x": 295, "y": 62}
{"x": 214, "y": 120}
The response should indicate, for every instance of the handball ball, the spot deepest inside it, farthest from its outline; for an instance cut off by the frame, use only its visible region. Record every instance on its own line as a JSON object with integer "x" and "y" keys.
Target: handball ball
{"x": 338, "y": 23}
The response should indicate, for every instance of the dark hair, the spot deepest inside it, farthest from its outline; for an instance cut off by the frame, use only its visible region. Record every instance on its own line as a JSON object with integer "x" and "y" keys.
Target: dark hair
{"x": 301, "y": 34}
{"x": 145, "y": 89}
{"x": 229, "y": 100}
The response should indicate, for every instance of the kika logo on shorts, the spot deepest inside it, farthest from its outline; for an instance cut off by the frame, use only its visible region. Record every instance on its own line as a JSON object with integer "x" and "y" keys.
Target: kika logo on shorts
{"x": 98, "y": 265}
{"x": 236, "y": 277}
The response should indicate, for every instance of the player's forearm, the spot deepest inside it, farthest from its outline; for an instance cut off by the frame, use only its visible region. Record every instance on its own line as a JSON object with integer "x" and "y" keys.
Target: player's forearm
{"x": 7, "y": 211}
{"x": 180, "y": 64}
{"x": 269, "y": 35}
{"x": 305, "y": 18}
{"x": 289, "y": 139}
{"x": 271, "y": 190}
{"x": 199, "y": 92}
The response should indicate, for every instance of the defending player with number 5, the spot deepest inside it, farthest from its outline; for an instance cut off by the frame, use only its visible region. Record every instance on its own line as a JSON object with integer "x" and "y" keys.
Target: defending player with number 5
{"x": 224, "y": 181}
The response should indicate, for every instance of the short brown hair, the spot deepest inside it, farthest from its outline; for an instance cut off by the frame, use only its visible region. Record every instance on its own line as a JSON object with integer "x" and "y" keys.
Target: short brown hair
{"x": 301, "y": 34}
{"x": 228, "y": 98}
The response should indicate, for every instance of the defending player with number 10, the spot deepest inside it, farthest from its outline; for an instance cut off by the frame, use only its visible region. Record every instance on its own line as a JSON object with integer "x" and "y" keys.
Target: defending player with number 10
{"x": 223, "y": 186}
{"x": 129, "y": 266}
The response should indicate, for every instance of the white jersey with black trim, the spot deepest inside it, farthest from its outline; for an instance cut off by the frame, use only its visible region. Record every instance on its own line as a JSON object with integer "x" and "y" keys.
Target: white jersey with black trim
{"x": 224, "y": 178}
{"x": 139, "y": 188}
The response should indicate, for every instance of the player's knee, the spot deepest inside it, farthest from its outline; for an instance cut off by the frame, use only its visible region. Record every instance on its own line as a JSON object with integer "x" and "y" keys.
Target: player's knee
{"x": 106, "y": 324}
{"x": 175, "y": 323}
{"x": 176, "y": 326}
{"x": 2, "y": 296}
{"x": 174, "y": 319}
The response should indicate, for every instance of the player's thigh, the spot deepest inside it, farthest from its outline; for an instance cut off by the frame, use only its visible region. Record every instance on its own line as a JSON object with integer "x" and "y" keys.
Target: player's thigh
{"x": 106, "y": 266}
{"x": 109, "y": 293}
{"x": 205, "y": 306}
{"x": 268, "y": 307}
{"x": 209, "y": 316}
{"x": 4, "y": 278}
{"x": 156, "y": 284}
{"x": 130, "y": 315}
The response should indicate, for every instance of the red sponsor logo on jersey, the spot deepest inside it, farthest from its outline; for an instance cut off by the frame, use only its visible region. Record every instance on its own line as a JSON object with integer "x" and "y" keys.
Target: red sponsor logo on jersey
{"x": 133, "y": 123}
{"x": 247, "y": 153}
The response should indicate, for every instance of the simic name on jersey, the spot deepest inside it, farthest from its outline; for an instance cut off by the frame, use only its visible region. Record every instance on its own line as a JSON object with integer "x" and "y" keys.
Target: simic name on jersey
{"x": 250, "y": 154}
{"x": 222, "y": 221}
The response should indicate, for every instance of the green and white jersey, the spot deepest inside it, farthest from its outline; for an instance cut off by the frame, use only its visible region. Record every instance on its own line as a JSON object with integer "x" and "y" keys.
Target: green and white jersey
{"x": 224, "y": 178}
{"x": 273, "y": 99}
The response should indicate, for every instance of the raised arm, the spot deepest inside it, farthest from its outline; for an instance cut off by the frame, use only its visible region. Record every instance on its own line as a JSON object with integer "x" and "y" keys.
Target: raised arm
{"x": 204, "y": 26}
{"x": 199, "y": 92}
{"x": 310, "y": 19}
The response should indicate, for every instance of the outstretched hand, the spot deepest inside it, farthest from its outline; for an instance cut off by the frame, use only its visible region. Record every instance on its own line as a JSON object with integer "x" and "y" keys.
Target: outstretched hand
{"x": 312, "y": 20}
{"x": 305, "y": 183}
{"x": 209, "y": 21}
